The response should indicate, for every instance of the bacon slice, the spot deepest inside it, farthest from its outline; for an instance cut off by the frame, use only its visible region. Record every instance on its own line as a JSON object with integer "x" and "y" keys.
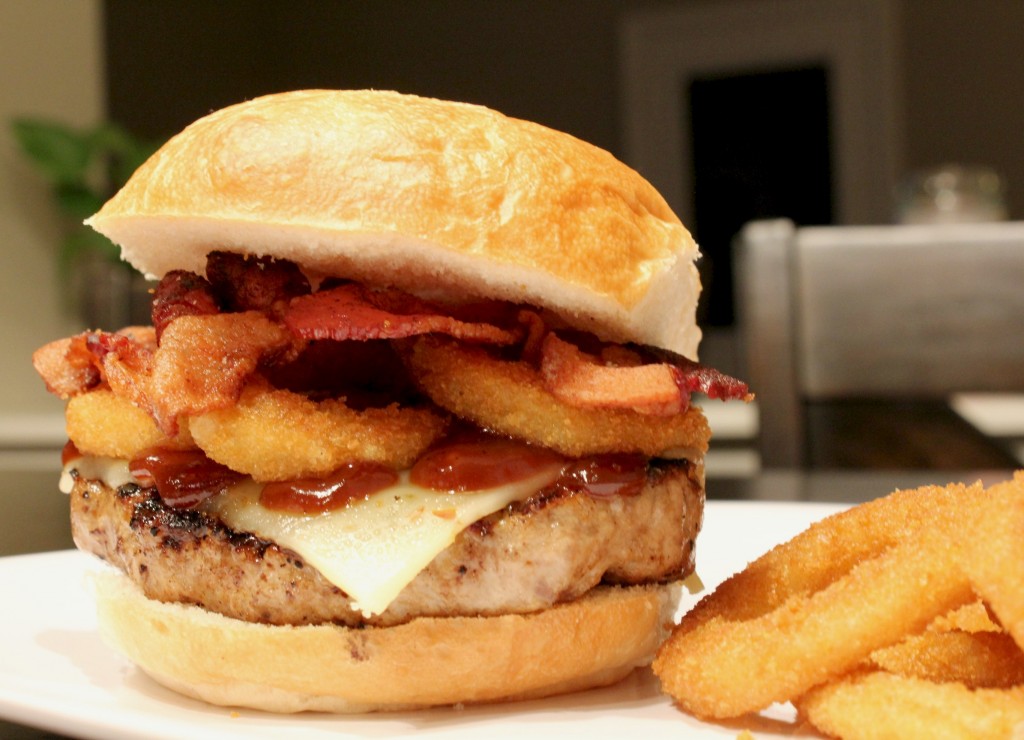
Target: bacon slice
{"x": 67, "y": 367}
{"x": 582, "y": 380}
{"x": 626, "y": 378}
{"x": 353, "y": 311}
{"x": 535, "y": 330}
{"x": 126, "y": 360}
{"x": 181, "y": 293}
{"x": 696, "y": 378}
{"x": 244, "y": 283}
{"x": 204, "y": 361}
{"x": 77, "y": 364}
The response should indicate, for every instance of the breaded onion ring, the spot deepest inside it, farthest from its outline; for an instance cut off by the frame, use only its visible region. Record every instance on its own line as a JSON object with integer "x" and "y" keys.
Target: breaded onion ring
{"x": 829, "y": 549}
{"x": 814, "y": 608}
{"x": 280, "y": 435}
{"x": 964, "y": 646}
{"x": 994, "y": 548}
{"x": 509, "y": 397}
{"x": 879, "y": 704}
{"x": 105, "y": 424}
{"x": 979, "y": 660}
{"x": 973, "y": 617}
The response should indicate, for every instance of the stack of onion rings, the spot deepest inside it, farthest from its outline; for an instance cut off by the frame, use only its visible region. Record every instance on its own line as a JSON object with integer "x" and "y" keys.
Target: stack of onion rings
{"x": 509, "y": 396}
{"x": 870, "y": 620}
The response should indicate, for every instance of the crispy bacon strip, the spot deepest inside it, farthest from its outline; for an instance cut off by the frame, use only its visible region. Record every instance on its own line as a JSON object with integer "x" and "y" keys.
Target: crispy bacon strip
{"x": 181, "y": 293}
{"x": 204, "y": 361}
{"x": 582, "y": 380}
{"x": 67, "y": 367}
{"x": 696, "y": 378}
{"x": 535, "y": 331}
{"x": 243, "y": 283}
{"x": 126, "y": 360}
{"x": 353, "y": 311}
{"x": 77, "y": 364}
{"x": 626, "y": 378}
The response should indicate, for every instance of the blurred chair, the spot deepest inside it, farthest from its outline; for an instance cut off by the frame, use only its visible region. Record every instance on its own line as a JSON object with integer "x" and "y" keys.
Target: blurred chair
{"x": 856, "y": 337}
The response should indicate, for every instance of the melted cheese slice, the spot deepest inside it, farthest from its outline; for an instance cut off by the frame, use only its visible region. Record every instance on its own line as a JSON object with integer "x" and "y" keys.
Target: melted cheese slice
{"x": 372, "y": 549}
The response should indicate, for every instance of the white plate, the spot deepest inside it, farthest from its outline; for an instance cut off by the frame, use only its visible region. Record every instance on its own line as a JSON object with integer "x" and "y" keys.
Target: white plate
{"x": 56, "y": 674}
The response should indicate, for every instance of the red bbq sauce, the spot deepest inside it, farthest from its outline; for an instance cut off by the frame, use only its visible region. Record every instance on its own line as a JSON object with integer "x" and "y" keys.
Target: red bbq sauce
{"x": 352, "y": 482}
{"x": 605, "y": 476}
{"x": 478, "y": 463}
{"x": 69, "y": 453}
{"x": 183, "y": 478}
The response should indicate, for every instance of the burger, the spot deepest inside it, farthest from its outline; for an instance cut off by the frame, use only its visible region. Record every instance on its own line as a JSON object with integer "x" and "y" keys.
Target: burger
{"x": 412, "y": 424}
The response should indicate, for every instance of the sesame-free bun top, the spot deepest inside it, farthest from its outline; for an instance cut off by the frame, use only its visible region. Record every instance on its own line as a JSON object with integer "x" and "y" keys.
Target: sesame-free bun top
{"x": 426, "y": 195}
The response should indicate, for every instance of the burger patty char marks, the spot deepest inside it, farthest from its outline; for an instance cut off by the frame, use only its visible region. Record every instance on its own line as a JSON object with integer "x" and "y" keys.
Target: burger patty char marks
{"x": 527, "y": 557}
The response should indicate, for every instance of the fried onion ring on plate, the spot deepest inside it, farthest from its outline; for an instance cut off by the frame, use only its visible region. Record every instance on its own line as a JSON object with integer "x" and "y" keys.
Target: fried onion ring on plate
{"x": 974, "y": 617}
{"x": 274, "y": 435}
{"x": 964, "y": 646}
{"x": 994, "y": 563}
{"x": 509, "y": 397}
{"x": 979, "y": 660}
{"x": 814, "y": 608}
{"x": 883, "y": 705}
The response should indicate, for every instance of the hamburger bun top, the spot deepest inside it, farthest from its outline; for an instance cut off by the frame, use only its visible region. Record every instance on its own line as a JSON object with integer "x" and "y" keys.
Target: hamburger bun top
{"x": 434, "y": 197}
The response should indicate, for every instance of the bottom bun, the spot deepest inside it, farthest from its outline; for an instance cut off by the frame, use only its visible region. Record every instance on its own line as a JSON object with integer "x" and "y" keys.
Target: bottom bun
{"x": 592, "y": 642}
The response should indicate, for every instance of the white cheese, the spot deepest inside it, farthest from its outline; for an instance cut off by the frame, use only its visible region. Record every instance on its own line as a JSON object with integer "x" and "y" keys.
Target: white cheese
{"x": 110, "y": 470}
{"x": 372, "y": 549}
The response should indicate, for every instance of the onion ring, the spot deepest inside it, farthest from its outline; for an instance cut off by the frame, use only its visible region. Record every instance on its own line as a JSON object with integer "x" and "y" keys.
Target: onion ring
{"x": 509, "y": 396}
{"x": 965, "y": 646}
{"x": 277, "y": 435}
{"x": 865, "y": 578}
{"x": 974, "y": 617}
{"x": 829, "y": 549}
{"x": 105, "y": 424}
{"x": 879, "y": 704}
{"x": 729, "y": 668}
{"x": 979, "y": 660}
{"x": 994, "y": 547}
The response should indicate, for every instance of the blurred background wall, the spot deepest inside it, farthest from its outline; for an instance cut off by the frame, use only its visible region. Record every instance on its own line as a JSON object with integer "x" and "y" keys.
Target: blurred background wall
{"x": 51, "y": 65}
{"x": 155, "y": 66}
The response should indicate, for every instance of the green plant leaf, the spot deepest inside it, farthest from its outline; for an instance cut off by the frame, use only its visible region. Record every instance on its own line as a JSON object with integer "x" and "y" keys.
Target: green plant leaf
{"x": 61, "y": 153}
{"x": 81, "y": 242}
{"x": 77, "y": 201}
{"x": 126, "y": 152}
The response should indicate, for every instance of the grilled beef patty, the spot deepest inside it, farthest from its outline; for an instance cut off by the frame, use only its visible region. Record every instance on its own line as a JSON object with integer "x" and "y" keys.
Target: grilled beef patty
{"x": 550, "y": 548}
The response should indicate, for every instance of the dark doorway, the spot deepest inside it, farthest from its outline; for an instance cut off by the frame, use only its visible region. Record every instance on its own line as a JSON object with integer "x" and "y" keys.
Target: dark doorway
{"x": 760, "y": 150}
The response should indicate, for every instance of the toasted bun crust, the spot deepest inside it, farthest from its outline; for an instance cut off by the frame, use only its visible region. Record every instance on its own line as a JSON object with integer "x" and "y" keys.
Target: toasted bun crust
{"x": 592, "y": 642}
{"x": 422, "y": 194}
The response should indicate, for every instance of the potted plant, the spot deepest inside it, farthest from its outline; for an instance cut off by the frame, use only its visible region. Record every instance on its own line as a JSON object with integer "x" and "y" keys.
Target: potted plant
{"x": 84, "y": 167}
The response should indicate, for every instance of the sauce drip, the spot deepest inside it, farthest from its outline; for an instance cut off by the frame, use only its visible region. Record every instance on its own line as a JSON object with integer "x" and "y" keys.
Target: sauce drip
{"x": 69, "y": 453}
{"x": 352, "y": 482}
{"x": 476, "y": 464}
{"x": 605, "y": 476}
{"x": 183, "y": 478}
